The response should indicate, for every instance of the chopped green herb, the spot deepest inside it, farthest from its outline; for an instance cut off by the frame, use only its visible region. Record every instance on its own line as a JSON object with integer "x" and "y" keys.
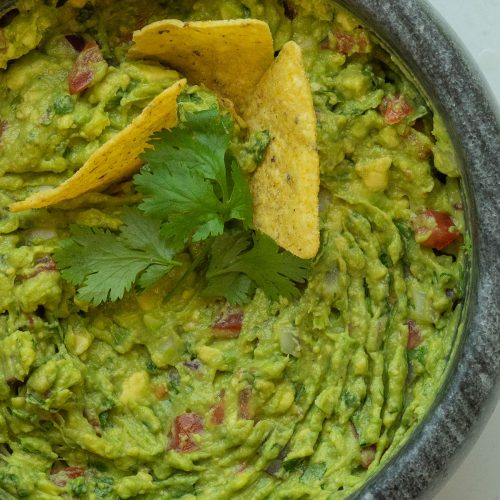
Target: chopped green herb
{"x": 418, "y": 354}
{"x": 63, "y": 104}
{"x": 78, "y": 486}
{"x": 104, "y": 487}
{"x": 294, "y": 464}
{"x": 313, "y": 472}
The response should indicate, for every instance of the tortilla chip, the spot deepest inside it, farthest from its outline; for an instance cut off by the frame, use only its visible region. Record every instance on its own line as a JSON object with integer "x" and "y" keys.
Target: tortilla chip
{"x": 116, "y": 159}
{"x": 228, "y": 57}
{"x": 285, "y": 187}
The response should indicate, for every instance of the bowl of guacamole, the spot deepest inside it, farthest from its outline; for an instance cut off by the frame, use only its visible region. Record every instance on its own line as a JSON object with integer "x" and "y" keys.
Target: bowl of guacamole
{"x": 155, "y": 343}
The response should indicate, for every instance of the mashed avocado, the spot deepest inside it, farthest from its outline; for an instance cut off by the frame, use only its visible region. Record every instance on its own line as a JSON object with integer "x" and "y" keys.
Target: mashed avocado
{"x": 190, "y": 398}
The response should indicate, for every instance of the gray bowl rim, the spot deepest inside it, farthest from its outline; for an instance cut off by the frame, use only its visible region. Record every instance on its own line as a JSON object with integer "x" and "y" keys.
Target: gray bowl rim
{"x": 452, "y": 82}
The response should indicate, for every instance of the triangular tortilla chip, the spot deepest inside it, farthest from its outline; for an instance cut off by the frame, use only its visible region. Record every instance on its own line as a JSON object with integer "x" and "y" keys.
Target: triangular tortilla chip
{"x": 285, "y": 187}
{"x": 228, "y": 57}
{"x": 116, "y": 159}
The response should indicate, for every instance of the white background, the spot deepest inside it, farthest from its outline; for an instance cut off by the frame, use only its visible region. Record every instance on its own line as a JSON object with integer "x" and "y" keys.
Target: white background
{"x": 477, "y": 23}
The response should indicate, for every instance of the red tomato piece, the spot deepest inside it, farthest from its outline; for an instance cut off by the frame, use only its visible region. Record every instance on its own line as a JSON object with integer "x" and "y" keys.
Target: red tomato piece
{"x": 414, "y": 338}
{"x": 362, "y": 42}
{"x": 244, "y": 399}
{"x": 83, "y": 71}
{"x": 368, "y": 456}
{"x": 44, "y": 265}
{"x": 345, "y": 42}
{"x": 184, "y": 427}
{"x": 440, "y": 227}
{"x": 395, "y": 109}
{"x": 61, "y": 476}
{"x": 228, "y": 326}
{"x": 349, "y": 44}
{"x": 218, "y": 412}
{"x": 74, "y": 472}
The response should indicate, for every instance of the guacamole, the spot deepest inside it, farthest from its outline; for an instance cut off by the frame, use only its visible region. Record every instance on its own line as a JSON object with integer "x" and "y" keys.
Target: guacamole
{"x": 185, "y": 396}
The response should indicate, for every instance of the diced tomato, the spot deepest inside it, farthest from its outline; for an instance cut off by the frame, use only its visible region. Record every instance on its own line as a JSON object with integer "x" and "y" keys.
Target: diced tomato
{"x": 395, "y": 109}
{"x": 439, "y": 227}
{"x": 362, "y": 42}
{"x": 44, "y": 265}
{"x": 345, "y": 42}
{"x": 218, "y": 412}
{"x": 83, "y": 71}
{"x": 61, "y": 476}
{"x": 47, "y": 263}
{"x": 245, "y": 408}
{"x": 74, "y": 472}
{"x": 348, "y": 43}
{"x": 184, "y": 427}
{"x": 368, "y": 456}
{"x": 228, "y": 326}
{"x": 414, "y": 338}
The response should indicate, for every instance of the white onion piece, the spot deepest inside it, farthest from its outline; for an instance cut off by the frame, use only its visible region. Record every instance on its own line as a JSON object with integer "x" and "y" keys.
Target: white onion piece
{"x": 420, "y": 299}
{"x": 41, "y": 234}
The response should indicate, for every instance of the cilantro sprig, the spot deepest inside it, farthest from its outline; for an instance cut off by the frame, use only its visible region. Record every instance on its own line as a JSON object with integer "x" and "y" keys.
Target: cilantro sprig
{"x": 194, "y": 191}
{"x": 105, "y": 265}
{"x": 186, "y": 182}
{"x": 241, "y": 259}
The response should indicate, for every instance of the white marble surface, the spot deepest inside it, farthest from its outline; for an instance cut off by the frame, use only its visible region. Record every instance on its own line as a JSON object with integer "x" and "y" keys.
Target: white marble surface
{"x": 477, "y": 23}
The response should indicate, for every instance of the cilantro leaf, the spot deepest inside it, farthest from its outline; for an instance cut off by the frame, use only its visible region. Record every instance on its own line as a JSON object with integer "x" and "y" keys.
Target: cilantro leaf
{"x": 185, "y": 199}
{"x": 186, "y": 181}
{"x": 236, "y": 288}
{"x": 199, "y": 144}
{"x": 259, "y": 258}
{"x": 105, "y": 265}
{"x": 241, "y": 199}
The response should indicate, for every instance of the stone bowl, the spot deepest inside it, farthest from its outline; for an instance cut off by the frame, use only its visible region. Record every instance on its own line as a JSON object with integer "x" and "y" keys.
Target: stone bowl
{"x": 427, "y": 49}
{"x": 442, "y": 69}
